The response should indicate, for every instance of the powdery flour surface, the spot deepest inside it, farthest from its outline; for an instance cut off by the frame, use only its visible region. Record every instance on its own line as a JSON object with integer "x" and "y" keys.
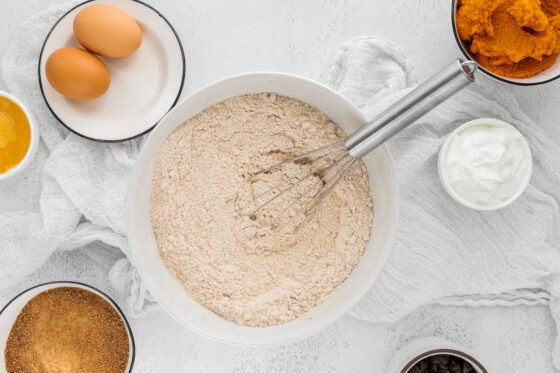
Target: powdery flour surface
{"x": 236, "y": 266}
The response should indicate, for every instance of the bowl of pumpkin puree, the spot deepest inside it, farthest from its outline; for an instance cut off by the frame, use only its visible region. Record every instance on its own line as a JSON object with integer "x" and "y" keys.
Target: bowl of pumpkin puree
{"x": 19, "y": 136}
{"x": 516, "y": 41}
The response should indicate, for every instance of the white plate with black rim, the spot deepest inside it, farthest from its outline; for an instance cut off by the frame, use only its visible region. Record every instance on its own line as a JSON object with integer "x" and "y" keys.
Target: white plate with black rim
{"x": 144, "y": 86}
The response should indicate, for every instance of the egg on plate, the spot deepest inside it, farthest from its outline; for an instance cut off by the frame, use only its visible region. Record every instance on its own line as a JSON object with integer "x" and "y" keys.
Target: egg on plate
{"x": 107, "y": 31}
{"x": 76, "y": 73}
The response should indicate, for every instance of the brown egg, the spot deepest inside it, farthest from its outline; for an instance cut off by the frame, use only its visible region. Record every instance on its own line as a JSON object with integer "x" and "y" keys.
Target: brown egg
{"x": 107, "y": 31}
{"x": 78, "y": 74}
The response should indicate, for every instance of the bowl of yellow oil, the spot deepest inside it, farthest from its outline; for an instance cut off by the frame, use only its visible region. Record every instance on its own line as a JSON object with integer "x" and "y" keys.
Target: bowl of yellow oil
{"x": 19, "y": 136}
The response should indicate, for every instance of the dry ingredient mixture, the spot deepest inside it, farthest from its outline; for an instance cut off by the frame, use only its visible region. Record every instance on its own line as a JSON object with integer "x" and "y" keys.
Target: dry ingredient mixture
{"x": 236, "y": 266}
{"x": 512, "y": 38}
{"x": 67, "y": 330}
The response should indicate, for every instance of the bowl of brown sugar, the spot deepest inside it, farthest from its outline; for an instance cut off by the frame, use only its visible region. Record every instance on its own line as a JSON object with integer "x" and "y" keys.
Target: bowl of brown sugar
{"x": 65, "y": 327}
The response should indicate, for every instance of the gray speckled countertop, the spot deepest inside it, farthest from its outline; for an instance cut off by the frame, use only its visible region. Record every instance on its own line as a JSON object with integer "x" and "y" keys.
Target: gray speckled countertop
{"x": 222, "y": 38}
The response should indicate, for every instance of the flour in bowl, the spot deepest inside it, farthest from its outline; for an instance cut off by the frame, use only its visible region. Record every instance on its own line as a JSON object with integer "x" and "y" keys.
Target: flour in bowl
{"x": 226, "y": 262}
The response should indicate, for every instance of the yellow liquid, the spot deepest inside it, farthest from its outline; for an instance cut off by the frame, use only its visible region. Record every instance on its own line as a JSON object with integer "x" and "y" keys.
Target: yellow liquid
{"x": 15, "y": 134}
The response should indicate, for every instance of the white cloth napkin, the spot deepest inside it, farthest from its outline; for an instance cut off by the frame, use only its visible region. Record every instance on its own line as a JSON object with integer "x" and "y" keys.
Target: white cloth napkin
{"x": 82, "y": 198}
{"x": 443, "y": 252}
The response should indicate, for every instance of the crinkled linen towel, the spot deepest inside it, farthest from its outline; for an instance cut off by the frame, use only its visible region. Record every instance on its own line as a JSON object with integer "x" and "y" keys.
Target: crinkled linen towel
{"x": 443, "y": 252}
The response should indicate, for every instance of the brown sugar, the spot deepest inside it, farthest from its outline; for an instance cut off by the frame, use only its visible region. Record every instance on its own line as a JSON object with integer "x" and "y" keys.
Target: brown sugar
{"x": 65, "y": 330}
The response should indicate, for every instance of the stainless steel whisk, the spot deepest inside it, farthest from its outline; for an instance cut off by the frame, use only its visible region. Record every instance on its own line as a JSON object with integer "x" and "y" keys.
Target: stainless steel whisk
{"x": 331, "y": 163}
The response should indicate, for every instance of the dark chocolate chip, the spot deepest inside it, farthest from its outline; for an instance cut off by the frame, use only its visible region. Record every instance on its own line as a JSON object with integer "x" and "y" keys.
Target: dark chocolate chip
{"x": 467, "y": 367}
{"x": 442, "y": 364}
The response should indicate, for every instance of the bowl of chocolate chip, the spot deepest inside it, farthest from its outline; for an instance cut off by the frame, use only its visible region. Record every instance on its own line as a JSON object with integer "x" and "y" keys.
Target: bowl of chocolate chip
{"x": 434, "y": 355}
{"x": 65, "y": 327}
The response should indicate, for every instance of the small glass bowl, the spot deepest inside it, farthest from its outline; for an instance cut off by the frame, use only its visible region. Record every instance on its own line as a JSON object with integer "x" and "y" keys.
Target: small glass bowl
{"x": 33, "y": 144}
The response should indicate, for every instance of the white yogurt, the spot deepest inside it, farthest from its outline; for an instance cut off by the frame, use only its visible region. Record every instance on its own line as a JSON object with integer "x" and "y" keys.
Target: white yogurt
{"x": 486, "y": 163}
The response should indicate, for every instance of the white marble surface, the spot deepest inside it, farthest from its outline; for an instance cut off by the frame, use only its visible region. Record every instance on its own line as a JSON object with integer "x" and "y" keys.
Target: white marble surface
{"x": 224, "y": 37}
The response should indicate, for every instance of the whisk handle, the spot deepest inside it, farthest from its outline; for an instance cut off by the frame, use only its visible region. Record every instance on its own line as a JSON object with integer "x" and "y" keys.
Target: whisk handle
{"x": 411, "y": 107}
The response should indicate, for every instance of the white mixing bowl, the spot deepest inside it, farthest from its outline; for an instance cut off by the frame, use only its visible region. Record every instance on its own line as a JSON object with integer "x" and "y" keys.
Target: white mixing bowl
{"x": 167, "y": 290}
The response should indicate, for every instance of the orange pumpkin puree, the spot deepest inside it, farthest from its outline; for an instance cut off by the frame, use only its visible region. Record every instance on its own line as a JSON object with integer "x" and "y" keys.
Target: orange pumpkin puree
{"x": 15, "y": 134}
{"x": 512, "y": 38}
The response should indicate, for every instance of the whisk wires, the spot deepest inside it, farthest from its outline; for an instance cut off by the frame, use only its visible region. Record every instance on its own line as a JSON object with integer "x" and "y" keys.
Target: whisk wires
{"x": 330, "y": 168}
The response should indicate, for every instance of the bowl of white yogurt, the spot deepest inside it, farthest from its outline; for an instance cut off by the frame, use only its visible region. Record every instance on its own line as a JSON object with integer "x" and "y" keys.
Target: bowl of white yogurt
{"x": 485, "y": 164}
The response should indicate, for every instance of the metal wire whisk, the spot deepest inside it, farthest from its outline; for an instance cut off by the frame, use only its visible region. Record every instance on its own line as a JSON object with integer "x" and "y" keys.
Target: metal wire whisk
{"x": 331, "y": 163}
